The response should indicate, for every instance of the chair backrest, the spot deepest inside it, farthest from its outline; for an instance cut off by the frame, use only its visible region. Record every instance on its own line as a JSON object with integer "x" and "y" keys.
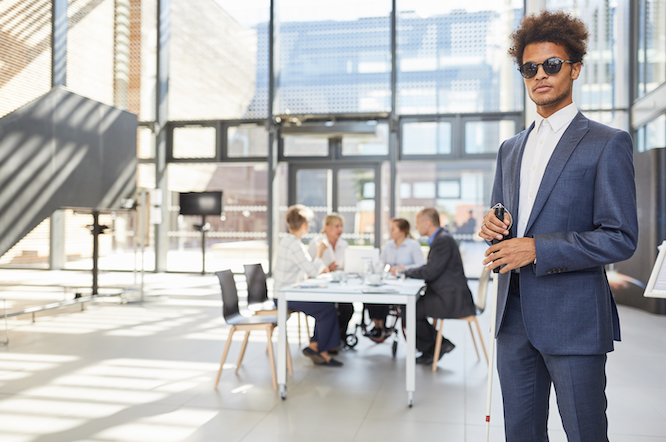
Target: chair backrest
{"x": 257, "y": 292}
{"x": 229, "y": 294}
{"x": 482, "y": 292}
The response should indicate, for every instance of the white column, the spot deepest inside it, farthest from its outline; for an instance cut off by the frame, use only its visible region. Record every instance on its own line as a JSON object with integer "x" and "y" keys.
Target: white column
{"x": 57, "y": 256}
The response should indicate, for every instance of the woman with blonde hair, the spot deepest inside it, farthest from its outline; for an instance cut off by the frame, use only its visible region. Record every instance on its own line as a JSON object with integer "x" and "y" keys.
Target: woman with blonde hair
{"x": 334, "y": 258}
{"x": 294, "y": 264}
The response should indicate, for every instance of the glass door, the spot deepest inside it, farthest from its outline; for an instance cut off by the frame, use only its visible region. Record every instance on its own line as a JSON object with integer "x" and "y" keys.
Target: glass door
{"x": 351, "y": 191}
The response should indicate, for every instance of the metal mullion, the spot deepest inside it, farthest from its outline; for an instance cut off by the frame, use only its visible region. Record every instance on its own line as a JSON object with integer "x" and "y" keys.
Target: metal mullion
{"x": 221, "y": 139}
{"x": 378, "y": 205}
{"x": 335, "y": 189}
{"x": 162, "y": 88}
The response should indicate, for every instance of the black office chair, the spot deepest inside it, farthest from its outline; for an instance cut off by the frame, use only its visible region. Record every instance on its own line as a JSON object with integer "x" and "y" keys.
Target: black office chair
{"x": 239, "y": 322}
{"x": 257, "y": 296}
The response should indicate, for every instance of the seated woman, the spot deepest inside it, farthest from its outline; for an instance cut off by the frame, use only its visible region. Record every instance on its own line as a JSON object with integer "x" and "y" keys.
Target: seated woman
{"x": 293, "y": 264}
{"x": 334, "y": 258}
{"x": 401, "y": 252}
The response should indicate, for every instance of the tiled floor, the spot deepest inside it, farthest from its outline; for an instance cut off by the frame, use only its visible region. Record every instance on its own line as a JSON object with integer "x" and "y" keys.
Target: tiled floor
{"x": 145, "y": 372}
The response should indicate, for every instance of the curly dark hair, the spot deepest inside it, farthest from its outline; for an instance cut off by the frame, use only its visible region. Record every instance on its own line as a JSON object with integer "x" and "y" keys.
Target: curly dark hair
{"x": 552, "y": 27}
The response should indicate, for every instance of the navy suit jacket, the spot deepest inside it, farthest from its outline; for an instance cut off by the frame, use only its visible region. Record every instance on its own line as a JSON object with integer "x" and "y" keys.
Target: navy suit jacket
{"x": 584, "y": 217}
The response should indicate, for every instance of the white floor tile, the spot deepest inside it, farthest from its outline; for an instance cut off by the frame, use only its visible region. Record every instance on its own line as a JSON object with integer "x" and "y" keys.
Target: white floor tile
{"x": 145, "y": 371}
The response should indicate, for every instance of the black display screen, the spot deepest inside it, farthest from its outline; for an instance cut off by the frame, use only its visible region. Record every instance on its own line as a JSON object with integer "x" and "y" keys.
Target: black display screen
{"x": 201, "y": 203}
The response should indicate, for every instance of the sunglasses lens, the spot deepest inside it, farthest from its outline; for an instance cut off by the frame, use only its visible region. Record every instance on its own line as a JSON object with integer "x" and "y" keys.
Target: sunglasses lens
{"x": 552, "y": 66}
{"x": 528, "y": 70}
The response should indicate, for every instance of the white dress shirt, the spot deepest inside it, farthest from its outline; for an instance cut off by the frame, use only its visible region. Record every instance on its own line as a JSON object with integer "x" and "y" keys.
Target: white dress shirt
{"x": 293, "y": 263}
{"x": 539, "y": 148}
{"x": 330, "y": 255}
{"x": 409, "y": 254}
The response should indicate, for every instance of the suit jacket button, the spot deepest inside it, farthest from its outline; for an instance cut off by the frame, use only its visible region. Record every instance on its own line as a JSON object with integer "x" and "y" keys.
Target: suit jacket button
{"x": 549, "y": 272}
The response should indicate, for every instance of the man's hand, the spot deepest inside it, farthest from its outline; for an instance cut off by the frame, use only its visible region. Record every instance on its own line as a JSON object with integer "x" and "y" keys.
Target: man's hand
{"x": 493, "y": 228}
{"x": 395, "y": 270}
{"x": 333, "y": 267}
{"x": 512, "y": 253}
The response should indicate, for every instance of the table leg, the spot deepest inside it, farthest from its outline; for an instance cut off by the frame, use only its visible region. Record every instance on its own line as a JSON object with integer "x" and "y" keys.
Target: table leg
{"x": 282, "y": 346}
{"x": 411, "y": 349}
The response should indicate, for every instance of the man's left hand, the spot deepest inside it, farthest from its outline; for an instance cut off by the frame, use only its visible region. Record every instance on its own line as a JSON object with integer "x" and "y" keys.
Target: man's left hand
{"x": 511, "y": 253}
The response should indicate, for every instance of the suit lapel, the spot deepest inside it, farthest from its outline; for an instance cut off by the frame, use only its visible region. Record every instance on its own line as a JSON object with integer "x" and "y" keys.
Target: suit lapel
{"x": 511, "y": 176}
{"x": 567, "y": 144}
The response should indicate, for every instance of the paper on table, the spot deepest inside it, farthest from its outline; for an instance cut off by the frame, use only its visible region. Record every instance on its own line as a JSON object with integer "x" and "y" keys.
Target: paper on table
{"x": 380, "y": 290}
{"x": 311, "y": 284}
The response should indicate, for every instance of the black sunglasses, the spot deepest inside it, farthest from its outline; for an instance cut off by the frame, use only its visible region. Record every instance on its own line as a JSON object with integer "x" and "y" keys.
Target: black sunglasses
{"x": 551, "y": 67}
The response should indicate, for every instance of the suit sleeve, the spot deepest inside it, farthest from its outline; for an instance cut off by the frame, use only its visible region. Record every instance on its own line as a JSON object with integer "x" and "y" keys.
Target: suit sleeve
{"x": 438, "y": 260}
{"x": 615, "y": 220}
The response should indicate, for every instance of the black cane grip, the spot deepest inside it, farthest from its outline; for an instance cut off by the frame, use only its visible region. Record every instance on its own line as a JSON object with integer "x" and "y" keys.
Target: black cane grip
{"x": 499, "y": 214}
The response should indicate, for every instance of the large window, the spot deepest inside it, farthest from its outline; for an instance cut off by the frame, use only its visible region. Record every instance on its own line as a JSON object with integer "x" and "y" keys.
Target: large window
{"x": 239, "y": 236}
{"x": 652, "y": 135}
{"x": 651, "y": 45}
{"x": 604, "y": 80}
{"x": 25, "y": 52}
{"x": 335, "y": 56}
{"x": 460, "y": 191}
{"x": 218, "y": 60}
{"x": 452, "y": 57}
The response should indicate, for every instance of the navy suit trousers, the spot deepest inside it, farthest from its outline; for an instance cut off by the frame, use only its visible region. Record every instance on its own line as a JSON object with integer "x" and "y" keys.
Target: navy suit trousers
{"x": 526, "y": 376}
{"x": 326, "y": 330}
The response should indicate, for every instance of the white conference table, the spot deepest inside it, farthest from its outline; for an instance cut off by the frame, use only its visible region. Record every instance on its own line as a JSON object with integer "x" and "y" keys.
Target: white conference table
{"x": 404, "y": 292}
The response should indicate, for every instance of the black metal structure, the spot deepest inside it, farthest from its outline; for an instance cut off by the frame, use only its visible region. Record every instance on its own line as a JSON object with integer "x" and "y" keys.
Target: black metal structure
{"x": 53, "y": 148}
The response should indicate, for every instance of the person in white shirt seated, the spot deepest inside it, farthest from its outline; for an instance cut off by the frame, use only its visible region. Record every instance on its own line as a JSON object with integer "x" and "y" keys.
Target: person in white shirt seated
{"x": 294, "y": 264}
{"x": 334, "y": 258}
{"x": 401, "y": 250}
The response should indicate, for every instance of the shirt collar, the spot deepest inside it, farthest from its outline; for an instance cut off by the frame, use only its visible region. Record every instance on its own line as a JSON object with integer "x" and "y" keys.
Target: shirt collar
{"x": 432, "y": 237}
{"x": 559, "y": 119}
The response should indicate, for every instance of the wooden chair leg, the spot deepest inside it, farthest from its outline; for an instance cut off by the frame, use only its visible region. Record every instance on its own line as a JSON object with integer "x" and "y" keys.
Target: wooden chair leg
{"x": 271, "y": 358}
{"x": 476, "y": 349}
{"x": 224, "y": 354}
{"x": 307, "y": 327}
{"x": 242, "y": 350}
{"x": 298, "y": 314}
{"x": 483, "y": 346}
{"x": 290, "y": 367}
{"x": 438, "y": 343}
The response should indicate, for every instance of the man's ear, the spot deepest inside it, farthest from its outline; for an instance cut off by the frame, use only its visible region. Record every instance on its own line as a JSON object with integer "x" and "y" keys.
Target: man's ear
{"x": 575, "y": 70}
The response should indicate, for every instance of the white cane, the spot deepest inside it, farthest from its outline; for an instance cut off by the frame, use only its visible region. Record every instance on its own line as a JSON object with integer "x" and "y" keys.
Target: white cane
{"x": 499, "y": 213}
{"x": 491, "y": 357}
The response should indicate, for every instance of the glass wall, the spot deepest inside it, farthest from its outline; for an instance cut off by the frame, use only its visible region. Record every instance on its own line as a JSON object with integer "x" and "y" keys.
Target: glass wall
{"x": 218, "y": 67}
{"x": 335, "y": 56}
{"x": 459, "y": 191}
{"x": 25, "y": 52}
{"x": 452, "y": 57}
{"x": 651, "y": 45}
{"x": 237, "y": 237}
{"x": 652, "y": 135}
{"x": 604, "y": 80}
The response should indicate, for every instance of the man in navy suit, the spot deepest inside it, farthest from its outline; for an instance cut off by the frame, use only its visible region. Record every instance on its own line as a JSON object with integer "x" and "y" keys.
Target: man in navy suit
{"x": 568, "y": 185}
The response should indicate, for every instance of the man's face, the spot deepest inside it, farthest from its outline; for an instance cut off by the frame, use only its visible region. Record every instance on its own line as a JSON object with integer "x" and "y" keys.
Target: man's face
{"x": 550, "y": 92}
{"x": 422, "y": 224}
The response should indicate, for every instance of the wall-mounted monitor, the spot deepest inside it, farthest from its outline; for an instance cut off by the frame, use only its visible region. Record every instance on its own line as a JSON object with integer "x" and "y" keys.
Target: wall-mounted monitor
{"x": 201, "y": 203}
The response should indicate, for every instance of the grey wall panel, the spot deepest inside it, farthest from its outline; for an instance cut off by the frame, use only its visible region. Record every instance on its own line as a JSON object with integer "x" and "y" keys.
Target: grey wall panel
{"x": 651, "y": 201}
{"x": 62, "y": 150}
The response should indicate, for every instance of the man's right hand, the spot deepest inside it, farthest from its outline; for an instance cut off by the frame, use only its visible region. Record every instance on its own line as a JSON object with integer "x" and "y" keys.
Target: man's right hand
{"x": 493, "y": 228}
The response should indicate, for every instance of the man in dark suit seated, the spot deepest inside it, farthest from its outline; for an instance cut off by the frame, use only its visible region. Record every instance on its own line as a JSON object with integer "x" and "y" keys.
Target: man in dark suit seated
{"x": 447, "y": 294}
